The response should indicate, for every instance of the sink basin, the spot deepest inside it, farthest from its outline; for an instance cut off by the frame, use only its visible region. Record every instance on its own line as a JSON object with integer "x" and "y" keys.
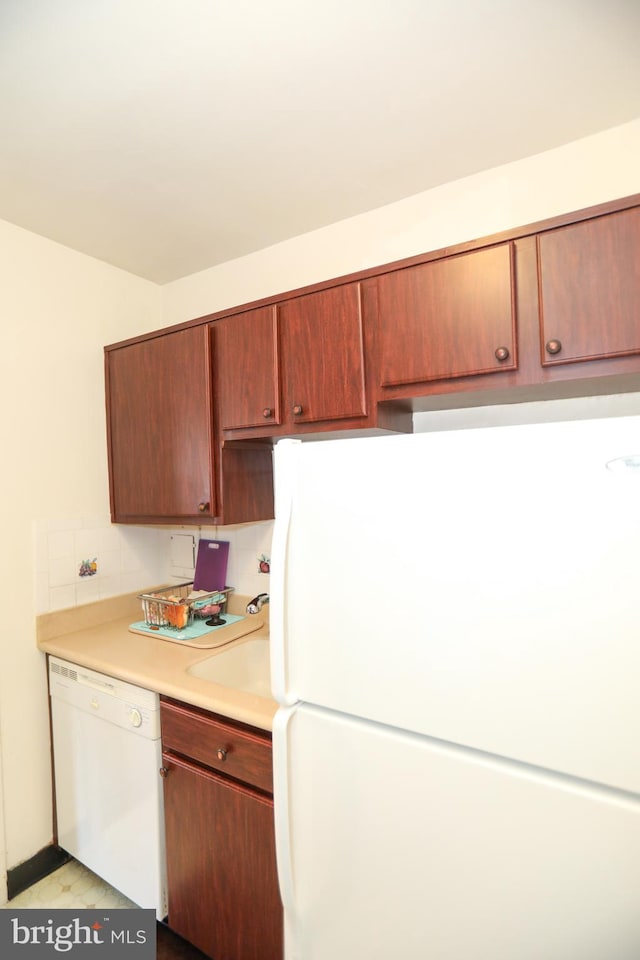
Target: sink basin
{"x": 244, "y": 667}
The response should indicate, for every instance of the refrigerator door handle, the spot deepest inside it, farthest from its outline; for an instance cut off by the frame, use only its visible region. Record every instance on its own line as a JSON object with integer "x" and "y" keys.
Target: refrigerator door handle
{"x": 280, "y": 734}
{"x": 285, "y": 455}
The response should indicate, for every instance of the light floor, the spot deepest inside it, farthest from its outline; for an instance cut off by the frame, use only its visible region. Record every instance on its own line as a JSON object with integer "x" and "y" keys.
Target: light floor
{"x": 73, "y": 886}
{"x": 70, "y": 886}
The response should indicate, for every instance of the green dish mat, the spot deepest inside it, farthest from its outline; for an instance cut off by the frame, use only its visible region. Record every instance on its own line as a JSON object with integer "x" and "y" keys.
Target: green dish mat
{"x": 197, "y": 629}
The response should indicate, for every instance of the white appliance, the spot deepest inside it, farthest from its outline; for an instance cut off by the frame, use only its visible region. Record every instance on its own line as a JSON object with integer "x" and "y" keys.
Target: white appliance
{"x": 455, "y": 644}
{"x": 109, "y": 801}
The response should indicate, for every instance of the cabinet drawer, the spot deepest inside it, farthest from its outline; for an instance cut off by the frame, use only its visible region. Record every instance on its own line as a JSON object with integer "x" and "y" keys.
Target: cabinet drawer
{"x": 238, "y": 751}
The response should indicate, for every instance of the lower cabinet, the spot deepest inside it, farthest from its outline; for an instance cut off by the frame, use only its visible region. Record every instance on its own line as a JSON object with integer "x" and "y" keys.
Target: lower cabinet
{"x": 221, "y": 867}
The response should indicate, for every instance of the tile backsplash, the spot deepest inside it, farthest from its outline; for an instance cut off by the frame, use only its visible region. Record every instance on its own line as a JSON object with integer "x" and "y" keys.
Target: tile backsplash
{"x": 249, "y": 542}
{"x": 78, "y": 561}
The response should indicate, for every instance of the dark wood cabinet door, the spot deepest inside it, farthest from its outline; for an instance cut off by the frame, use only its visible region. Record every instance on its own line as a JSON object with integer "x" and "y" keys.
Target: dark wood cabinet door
{"x": 323, "y": 366}
{"x": 221, "y": 870}
{"x": 589, "y": 279}
{"x": 448, "y": 318}
{"x": 160, "y": 427}
{"x": 245, "y": 360}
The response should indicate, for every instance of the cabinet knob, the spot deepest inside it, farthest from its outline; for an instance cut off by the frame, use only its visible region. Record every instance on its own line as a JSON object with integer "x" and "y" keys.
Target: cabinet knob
{"x": 221, "y": 754}
{"x": 502, "y": 354}
{"x": 297, "y": 409}
{"x": 267, "y": 412}
{"x": 164, "y": 772}
{"x": 553, "y": 346}
{"x": 203, "y": 506}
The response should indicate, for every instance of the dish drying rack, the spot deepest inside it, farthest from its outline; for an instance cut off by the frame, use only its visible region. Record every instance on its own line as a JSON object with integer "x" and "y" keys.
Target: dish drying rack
{"x": 177, "y": 606}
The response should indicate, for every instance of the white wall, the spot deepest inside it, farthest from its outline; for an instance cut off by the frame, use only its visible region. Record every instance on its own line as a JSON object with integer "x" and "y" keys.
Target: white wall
{"x": 581, "y": 174}
{"x": 58, "y": 309}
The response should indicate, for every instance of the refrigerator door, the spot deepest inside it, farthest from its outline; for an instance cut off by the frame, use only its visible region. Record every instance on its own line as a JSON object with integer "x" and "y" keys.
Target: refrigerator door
{"x": 479, "y": 586}
{"x": 404, "y": 847}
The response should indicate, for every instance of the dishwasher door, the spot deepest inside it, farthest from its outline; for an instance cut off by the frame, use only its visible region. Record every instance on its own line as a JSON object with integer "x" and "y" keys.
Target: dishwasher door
{"x": 109, "y": 801}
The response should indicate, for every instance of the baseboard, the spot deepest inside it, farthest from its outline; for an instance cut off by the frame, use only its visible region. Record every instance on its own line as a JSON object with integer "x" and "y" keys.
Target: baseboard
{"x": 40, "y": 865}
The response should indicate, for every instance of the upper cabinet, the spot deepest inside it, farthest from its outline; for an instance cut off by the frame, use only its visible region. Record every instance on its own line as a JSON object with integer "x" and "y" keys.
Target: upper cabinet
{"x": 448, "y": 318}
{"x": 246, "y": 360}
{"x": 160, "y": 428}
{"x": 323, "y": 365}
{"x": 552, "y": 310}
{"x": 549, "y": 310}
{"x": 298, "y": 366}
{"x": 589, "y": 282}
{"x": 164, "y": 463}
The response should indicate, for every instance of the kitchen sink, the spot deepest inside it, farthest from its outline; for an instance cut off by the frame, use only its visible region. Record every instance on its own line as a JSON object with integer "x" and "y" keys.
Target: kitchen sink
{"x": 244, "y": 667}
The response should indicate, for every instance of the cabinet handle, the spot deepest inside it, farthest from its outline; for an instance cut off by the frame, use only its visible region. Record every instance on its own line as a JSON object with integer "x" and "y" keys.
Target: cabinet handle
{"x": 297, "y": 409}
{"x": 203, "y": 506}
{"x": 267, "y": 412}
{"x": 221, "y": 754}
{"x": 164, "y": 772}
{"x": 502, "y": 354}
{"x": 553, "y": 346}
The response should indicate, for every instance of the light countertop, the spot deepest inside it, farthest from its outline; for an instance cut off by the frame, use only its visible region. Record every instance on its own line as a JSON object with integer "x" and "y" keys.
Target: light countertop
{"x": 97, "y": 636}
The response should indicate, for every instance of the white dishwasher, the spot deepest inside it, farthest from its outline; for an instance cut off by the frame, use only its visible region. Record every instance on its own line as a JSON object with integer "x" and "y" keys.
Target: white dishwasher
{"x": 107, "y": 756}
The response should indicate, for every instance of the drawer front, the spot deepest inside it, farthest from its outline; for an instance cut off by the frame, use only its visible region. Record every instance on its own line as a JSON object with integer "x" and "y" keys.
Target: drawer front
{"x": 209, "y": 740}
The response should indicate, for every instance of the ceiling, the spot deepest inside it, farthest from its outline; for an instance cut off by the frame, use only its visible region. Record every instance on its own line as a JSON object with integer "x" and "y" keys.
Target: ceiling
{"x": 165, "y": 136}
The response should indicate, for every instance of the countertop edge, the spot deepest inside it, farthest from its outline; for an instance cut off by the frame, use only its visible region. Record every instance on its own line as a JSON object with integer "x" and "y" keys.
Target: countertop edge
{"x": 99, "y": 639}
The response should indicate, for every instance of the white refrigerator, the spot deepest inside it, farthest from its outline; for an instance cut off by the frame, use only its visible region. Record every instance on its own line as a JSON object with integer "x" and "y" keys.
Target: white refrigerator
{"x": 455, "y": 648}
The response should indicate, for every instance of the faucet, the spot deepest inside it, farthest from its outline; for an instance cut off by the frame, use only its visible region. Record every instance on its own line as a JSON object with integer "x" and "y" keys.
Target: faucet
{"x": 255, "y": 605}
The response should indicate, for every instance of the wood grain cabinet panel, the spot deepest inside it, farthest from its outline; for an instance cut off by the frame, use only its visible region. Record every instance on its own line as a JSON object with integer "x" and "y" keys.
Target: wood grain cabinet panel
{"x": 247, "y": 369}
{"x": 220, "y": 836}
{"x": 238, "y": 752}
{"x": 160, "y": 427}
{"x": 322, "y": 342}
{"x": 303, "y": 365}
{"x": 165, "y": 462}
{"x": 448, "y": 318}
{"x": 589, "y": 282}
{"x": 544, "y": 311}
{"x": 222, "y": 882}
